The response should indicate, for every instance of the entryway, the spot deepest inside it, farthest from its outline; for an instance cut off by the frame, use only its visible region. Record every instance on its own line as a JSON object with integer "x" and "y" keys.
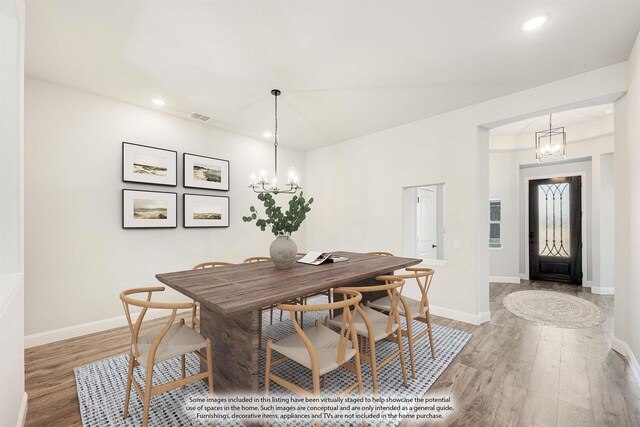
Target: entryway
{"x": 555, "y": 229}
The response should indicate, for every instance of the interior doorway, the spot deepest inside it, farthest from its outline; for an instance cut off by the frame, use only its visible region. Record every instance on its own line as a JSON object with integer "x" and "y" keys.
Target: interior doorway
{"x": 555, "y": 229}
{"x": 426, "y": 223}
{"x": 423, "y": 223}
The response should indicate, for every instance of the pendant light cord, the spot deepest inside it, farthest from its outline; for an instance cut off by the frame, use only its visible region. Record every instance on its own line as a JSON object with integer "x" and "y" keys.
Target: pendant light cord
{"x": 275, "y": 143}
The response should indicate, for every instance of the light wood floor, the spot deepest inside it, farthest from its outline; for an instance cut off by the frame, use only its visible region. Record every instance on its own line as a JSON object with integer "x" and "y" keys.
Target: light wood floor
{"x": 512, "y": 373}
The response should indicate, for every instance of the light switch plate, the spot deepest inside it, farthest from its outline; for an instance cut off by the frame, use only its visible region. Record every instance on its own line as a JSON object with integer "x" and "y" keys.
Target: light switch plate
{"x": 456, "y": 244}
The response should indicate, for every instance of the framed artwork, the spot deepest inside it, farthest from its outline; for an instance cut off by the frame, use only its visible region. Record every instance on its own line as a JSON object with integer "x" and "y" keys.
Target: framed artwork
{"x": 149, "y": 209}
{"x": 205, "y": 211}
{"x": 149, "y": 165}
{"x": 205, "y": 172}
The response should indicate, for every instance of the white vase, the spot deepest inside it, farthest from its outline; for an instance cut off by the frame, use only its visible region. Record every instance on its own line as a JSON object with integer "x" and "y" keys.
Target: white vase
{"x": 283, "y": 252}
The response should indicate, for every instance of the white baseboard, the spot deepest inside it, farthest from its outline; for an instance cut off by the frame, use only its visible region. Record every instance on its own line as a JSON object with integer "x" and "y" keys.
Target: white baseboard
{"x": 524, "y": 276}
{"x": 86, "y": 328}
{"x": 484, "y": 317}
{"x": 504, "y": 279}
{"x": 432, "y": 263}
{"x": 588, "y": 284}
{"x": 474, "y": 319}
{"x": 624, "y": 349}
{"x": 603, "y": 290}
{"x": 22, "y": 415}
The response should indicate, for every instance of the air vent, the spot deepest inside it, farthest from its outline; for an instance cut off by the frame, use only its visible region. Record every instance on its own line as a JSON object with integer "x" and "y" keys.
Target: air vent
{"x": 200, "y": 117}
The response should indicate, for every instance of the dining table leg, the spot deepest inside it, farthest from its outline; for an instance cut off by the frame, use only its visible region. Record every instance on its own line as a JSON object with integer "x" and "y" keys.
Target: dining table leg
{"x": 235, "y": 350}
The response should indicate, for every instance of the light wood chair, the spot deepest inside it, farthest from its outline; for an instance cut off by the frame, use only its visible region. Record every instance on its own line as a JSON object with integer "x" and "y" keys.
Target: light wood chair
{"x": 173, "y": 340}
{"x": 195, "y": 318}
{"x": 256, "y": 259}
{"x": 381, "y": 253}
{"x": 373, "y": 326}
{"x": 319, "y": 349}
{"x": 212, "y": 264}
{"x": 413, "y": 309}
{"x": 328, "y": 293}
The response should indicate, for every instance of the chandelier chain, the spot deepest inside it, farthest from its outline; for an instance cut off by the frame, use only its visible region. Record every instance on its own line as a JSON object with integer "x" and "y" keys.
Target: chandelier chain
{"x": 275, "y": 138}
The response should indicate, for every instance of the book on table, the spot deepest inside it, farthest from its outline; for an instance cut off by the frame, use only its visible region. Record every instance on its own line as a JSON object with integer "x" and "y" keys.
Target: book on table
{"x": 317, "y": 258}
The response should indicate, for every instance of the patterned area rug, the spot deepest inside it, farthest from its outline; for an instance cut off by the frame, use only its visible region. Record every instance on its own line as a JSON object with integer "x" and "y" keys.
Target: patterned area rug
{"x": 554, "y": 309}
{"x": 101, "y": 385}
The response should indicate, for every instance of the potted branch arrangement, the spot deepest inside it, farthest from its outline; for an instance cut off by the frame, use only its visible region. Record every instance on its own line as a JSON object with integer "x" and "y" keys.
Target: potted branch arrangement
{"x": 283, "y": 250}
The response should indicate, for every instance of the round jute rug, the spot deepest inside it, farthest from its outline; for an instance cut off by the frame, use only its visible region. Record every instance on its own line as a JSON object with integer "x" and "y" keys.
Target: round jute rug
{"x": 554, "y": 309}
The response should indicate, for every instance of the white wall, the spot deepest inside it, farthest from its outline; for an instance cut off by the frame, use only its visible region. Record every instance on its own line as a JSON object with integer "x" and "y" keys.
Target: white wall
{"x": 607, "y": 225}
{"x": 13, "y": 399}
{"x": 409, "y": 225}
{"x": 358, "y": 183}
{"x": 627, "y": 214}
{"x": 78, "y": 258}
{"x": 504, "y": 264}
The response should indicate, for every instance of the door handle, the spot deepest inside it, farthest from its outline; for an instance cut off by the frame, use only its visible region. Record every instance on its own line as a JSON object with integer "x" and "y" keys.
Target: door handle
{"x": 434, "y": 246}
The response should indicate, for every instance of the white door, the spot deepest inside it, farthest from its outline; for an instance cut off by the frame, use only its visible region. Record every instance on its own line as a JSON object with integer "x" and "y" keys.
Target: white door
{"x": 426, "y": 224}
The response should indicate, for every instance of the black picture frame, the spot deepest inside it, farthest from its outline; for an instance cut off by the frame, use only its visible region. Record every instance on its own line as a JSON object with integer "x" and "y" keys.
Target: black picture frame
{"x": 139, "y": 176}
{"x": 134, "y": 223}
{"x": 188, "y": 221}
{"x": 189, "y": 181}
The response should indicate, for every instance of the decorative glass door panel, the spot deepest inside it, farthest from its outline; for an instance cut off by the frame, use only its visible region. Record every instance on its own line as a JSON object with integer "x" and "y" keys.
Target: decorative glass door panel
{"x": 553, "y": 220}
{"x": 555, "y": 216}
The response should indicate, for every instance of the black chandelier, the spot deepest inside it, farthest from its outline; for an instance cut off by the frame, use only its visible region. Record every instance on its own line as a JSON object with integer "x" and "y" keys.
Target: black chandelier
{"x": 260, "y": 184}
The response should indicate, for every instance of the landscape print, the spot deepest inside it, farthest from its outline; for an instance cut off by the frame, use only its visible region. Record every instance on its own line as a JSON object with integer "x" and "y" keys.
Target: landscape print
{"x": 149, "y": 209}
{"x": 207, "y": 213}
{"x": 204, "y": 172}
{"x": 149, "y": 165}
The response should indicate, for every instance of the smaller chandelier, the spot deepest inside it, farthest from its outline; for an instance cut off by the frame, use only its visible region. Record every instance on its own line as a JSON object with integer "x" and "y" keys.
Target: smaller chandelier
{"x": 260, "y": 183}
{"x": 551, "y": 144}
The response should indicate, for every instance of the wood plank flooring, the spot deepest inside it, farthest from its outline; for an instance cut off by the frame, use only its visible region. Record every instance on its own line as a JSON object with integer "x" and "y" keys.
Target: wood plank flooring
{"x": 512, "y": 373}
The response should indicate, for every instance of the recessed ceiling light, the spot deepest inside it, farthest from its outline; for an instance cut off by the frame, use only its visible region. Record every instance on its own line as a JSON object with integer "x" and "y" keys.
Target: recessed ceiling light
{"x": 534, "y": 23}
{"x": 157, "y": 101}
{"x": 266, "y": 134}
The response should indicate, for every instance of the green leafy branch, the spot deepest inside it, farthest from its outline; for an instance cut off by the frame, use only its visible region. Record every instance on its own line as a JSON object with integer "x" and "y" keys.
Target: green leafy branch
{"x": 281, "y": 224}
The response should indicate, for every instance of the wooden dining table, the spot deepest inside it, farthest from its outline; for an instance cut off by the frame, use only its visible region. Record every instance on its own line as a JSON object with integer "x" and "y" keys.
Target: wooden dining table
{"x": 231, "y": 299}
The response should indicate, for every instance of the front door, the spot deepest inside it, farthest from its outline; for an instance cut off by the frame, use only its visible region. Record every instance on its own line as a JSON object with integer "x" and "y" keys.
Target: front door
{"x": 555, "y": 230}
{"x": 426, "y": 224}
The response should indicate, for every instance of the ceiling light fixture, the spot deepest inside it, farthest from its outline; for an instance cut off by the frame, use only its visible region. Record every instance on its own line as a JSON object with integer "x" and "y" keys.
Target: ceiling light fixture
{"x": 534, "y": 23}
{"x": 157, "y": 101}
{"x": 259, "y": 184}
{"x": 551, "y": 144}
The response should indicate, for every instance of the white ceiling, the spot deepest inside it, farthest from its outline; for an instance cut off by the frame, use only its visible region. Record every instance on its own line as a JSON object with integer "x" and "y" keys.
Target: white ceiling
{"x": 568, "y": 119}
{"x": 346, "y": 68}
